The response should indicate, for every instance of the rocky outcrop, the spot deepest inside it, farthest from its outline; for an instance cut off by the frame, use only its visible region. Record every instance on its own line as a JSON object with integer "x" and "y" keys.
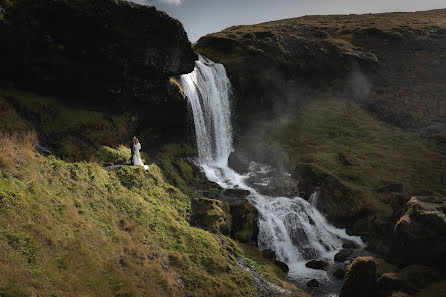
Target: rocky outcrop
{"x": 90, "y": 50}
{"x": 244, "y": 222}
{"x": 360, "y": 278}
{"x": 409, "y": 280}
{"x": 212, "y": 215}
{"x": 421, "y": 231}
{"x": 340, "y": 202}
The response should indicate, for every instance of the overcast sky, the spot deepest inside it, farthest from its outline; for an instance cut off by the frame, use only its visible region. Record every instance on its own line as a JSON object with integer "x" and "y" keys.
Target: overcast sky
{"x": 200, "y": 17}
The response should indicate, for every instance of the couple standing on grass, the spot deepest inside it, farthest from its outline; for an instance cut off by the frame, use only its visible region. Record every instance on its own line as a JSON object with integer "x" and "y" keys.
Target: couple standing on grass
{"x": 135, "y": 159}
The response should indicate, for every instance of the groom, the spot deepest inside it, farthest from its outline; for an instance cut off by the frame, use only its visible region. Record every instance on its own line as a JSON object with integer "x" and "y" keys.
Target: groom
{"x": 132, "y": 149}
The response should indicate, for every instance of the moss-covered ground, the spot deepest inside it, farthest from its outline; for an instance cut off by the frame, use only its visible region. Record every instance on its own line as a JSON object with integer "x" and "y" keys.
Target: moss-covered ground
{"x": 74, "y": 133}
{"x": 75, "y": 229}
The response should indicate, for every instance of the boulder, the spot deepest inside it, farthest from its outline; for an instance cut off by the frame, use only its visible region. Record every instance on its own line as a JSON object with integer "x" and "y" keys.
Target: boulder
{"x": 238, "y": 162}
{"x": 339, "y": 273}
{"x": 279, "y": 184}
{"x": 421, "y": 231}
{"x": 313, "y": 283}
{"x": 360, "y": 278}
{"x": 343, "y": 255}
{"x": 348, "y": 244}
{"x": 269, "y": 254}
{"x": 317, "y": 264}
{"x": 409, "y": 279}
{"x": 244, "y": 221}
{"x": 282, "y": 266}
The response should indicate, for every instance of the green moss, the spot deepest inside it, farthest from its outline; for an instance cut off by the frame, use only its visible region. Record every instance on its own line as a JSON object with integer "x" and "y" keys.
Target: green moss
{"x": 175, "y": 168}
{"x": 72, "y": 133}
{"x": 107, "y": 155}
{"x": 74, "y": 226}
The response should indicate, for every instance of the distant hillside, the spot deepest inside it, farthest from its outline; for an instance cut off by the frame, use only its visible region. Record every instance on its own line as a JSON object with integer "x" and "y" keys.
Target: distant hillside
{"x": 354, "y": 105}
{"x": 392, "y": 63}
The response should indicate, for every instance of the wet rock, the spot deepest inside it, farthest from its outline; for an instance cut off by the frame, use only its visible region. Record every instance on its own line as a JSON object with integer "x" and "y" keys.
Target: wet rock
{"x": 269, "y": 254}
{"x": 348, "y": 244}
{"x": 343, "y": 255}
{"x": 282, "y": 266}
{"x": 238, "y": 162}
{"x": 339, "y": 273}
{"x": 360, "y": 278}
{"x": 236, "y": 193}
{"x": 313, "y": 284}
{"x": 274, "y": 183}
{"x": 391, "y": 188}
{"x": 317, "y": 264}
{"x": 421, "y": 231}
{"x": 244, "y": 221}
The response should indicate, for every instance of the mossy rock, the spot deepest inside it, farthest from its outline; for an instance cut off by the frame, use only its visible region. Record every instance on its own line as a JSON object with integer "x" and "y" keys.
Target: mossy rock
{"x": 212, "y": 215}
{"x": 244, "y": 222}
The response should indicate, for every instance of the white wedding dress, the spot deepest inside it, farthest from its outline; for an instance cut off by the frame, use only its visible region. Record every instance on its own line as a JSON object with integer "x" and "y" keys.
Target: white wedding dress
{"x": 137, "y": 157}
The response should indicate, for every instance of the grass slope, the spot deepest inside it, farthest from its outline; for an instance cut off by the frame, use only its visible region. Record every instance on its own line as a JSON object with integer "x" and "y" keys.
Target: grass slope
{"x": 74, "y": 229}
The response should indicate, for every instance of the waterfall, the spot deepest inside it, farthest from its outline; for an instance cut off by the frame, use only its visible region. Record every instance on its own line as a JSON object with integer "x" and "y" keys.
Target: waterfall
{"x": 292, "y": 227}
{"x": 208, "y": 89}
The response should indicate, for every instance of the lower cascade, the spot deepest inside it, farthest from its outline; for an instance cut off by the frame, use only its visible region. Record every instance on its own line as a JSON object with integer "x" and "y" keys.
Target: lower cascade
{"x": 292, "y": 227}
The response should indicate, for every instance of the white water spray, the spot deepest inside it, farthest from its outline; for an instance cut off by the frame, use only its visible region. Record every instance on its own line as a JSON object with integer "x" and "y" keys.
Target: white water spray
{"x": 293, "y": 228}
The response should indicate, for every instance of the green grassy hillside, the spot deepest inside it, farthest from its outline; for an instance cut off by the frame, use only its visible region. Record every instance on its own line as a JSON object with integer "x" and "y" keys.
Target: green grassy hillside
{"x": 75, "y": 229}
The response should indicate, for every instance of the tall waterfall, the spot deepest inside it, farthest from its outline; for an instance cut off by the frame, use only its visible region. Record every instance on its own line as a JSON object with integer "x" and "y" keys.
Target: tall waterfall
{"x": 208, "y": 89}
{"x": 292, "y": 227}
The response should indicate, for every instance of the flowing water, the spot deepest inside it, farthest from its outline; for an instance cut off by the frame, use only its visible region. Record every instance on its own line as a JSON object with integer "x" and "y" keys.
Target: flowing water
{"x": 292, "y": 227}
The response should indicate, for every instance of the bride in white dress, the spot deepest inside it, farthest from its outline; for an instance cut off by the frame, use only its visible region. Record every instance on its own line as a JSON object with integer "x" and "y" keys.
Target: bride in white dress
{"x": 137, "y": 157}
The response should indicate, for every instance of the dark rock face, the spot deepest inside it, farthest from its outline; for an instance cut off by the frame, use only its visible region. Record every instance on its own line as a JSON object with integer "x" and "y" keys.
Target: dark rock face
{"x": 421, "y": 231}
{"x": 90, "y": 50}
{"x": 360, "y": 278}
{"x": 316, "y": 264}
{"x": 313, "y": 283}
{"x": 282, "y": 266}
{"x": 343, "y": 255}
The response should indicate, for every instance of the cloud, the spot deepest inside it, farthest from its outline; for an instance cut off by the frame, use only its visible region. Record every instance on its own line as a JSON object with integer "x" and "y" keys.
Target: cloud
{"x": 173, "y": 2}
